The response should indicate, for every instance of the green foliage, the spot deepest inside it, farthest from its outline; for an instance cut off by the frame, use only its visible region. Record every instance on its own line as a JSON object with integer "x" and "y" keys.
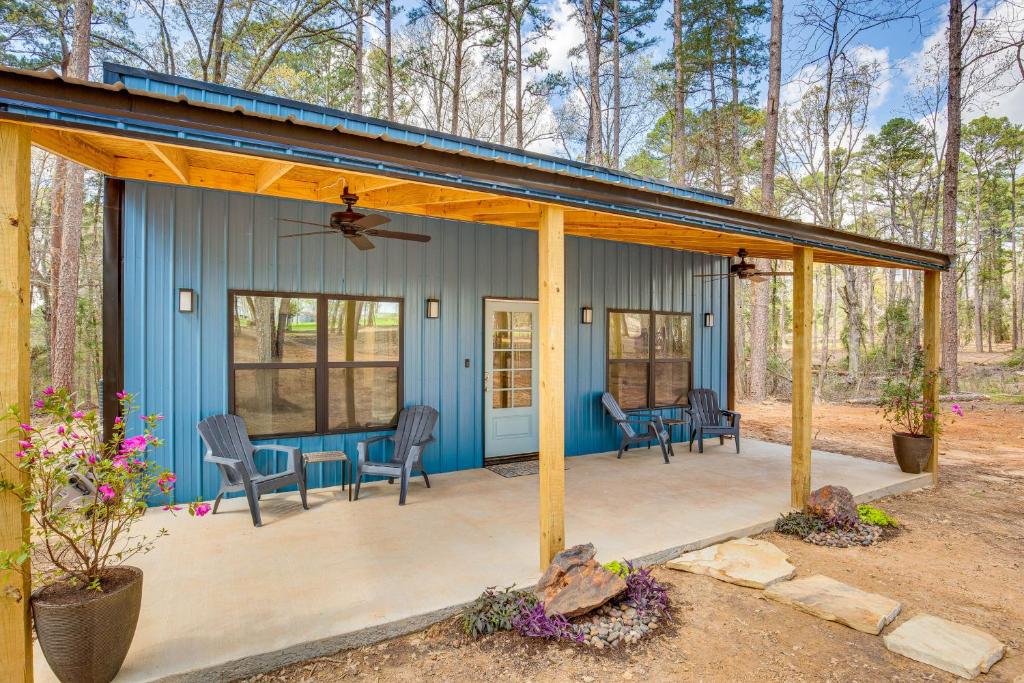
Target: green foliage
{"x": 616, "y": 567}
{"x": 799, "y": 524}
{"x": 495, "y": 610}
{"x": 903, "y": 403}
{"x": 876, "y": 516}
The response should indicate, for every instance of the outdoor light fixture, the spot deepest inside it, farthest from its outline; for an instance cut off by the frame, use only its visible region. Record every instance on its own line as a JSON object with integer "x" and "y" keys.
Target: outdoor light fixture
{"x": 186, "y": 301}
{"x": 587, "y": 315}
{"x": 433, "y": 308}
{"x": 709, "y": 320}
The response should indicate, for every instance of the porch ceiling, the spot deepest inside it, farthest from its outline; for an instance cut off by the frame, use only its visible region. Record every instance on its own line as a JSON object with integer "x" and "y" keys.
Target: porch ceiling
{"x": 143, "y": 136}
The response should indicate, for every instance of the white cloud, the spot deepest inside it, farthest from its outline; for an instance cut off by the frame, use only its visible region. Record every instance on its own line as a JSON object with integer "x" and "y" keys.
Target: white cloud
{"x": 565, "y": 35}
{"x": 861, "y": 55}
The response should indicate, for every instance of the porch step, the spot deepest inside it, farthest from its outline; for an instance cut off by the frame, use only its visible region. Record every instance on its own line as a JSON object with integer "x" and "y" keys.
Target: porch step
{"x": 836, "y": 601}
{"x": 745, "y": 561}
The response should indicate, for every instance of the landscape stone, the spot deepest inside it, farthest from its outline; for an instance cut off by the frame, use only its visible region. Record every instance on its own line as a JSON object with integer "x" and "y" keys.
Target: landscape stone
{"x": 745, "y": 561}
{"x": 575, "y": 583}
{"x": 958, "y": 649}
{"x": 833, "y": 502}
{"x": 836, "y": 601}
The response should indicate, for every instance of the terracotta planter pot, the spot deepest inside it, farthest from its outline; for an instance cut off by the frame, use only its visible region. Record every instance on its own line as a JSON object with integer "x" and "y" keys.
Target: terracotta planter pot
{"x": 912, "y": 452}
{"x": 85, "y": 635}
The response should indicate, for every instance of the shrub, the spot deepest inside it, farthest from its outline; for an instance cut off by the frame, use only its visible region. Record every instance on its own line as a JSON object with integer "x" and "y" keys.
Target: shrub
{"x": 616, "y": 567}
{"x": 875, "y": 516}
{"x": 533, "y": 622}
{"x": 799, "y": 524}
{"x": 495, "y": 610}
{"x": 646, "y": 593}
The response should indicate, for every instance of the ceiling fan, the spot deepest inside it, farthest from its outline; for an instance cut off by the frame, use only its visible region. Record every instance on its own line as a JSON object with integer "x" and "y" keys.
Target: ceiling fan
{"x": 747, "y": 271}
{"x": 356, "y": 227}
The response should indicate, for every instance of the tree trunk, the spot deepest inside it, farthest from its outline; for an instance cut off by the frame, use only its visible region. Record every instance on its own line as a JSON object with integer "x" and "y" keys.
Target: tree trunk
{"x": 503, "y": 74}
{"x": 60, "y": 169}
{"x": 358, "y": 76}
{"x": 519, "y": 83}
{"x": 761, "y": 291}
{"x": 851, "y": 298}
{"x": 716, "y": 141}
{"x": 62, "y": 352}
{"x": 950, "y": 186}
{"x": 459, "y": 57}
{"x": 616, "y": 86}
{"x": 389, "y": 61}
{"x": 679, "y": 99}
{"x": 979, "y": 285}
{"x": 592, "y": 39}
{"x": 1014, "y": 301}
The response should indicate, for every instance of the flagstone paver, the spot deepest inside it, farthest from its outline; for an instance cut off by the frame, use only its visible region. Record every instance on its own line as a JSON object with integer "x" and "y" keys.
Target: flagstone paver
{"x": 836, "y": 601}
{"x": 958, "y": 649}
{"x": 745, "y": 561}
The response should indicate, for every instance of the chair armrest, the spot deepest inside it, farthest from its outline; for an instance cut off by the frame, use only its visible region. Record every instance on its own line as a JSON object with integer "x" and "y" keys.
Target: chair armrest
{"x": 734, "y": 417}
{"x": 230, "y": 463}
{"x": 363, "y": 447}
{"x": 422, "y": 444}
{"x": 296, "y": 460}
{"x": 375, "y": 439}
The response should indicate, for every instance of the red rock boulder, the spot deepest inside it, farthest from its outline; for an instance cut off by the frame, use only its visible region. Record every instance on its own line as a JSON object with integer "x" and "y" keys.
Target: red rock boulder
{"x": 833, "y": 502}
{"x": 575, "y": 583}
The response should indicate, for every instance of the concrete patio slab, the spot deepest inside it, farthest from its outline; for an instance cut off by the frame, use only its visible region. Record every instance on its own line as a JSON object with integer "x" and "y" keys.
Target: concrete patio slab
{"x": 223, "y": 599}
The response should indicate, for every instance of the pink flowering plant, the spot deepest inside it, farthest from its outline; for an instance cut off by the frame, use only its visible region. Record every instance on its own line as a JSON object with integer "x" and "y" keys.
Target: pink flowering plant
{"x": 905, "y": 406}
{"x": 82, "y": 493}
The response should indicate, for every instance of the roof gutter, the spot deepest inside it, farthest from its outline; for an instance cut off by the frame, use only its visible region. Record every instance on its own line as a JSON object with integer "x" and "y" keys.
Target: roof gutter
{"x": 94, "y": 107}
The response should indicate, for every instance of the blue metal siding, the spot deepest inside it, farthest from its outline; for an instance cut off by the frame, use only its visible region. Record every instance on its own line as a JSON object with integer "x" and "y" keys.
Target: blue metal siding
{"x": 212, "y": 241}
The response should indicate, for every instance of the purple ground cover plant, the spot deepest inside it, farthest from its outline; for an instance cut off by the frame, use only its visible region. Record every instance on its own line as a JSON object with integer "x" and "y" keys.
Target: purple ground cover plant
{"x": 532, "y": 622}
{"x": 646, "y": 593}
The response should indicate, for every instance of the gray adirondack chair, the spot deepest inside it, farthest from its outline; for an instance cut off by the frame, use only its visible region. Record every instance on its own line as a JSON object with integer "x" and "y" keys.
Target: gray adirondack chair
{"x": 631, "y": 425}
{"x": 415, "y": 431}
{"x": 228, "y": 447}
{"x": 707, "y": 419}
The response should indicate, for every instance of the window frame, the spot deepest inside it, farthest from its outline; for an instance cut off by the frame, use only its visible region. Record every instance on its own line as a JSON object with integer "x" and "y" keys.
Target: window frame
{"x": 651, "y": 361}
{"x": 322, "y": 365}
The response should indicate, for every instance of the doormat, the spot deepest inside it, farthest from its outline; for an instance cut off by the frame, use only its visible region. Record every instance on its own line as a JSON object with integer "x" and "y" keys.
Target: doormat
{"x": 522, "y": 468}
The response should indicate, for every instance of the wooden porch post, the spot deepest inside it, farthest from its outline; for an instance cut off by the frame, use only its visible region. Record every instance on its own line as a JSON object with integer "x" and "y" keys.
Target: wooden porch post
{"x": 932, "y": 343}
{"x": 803, "y": 319}
{"x": 551, "y": 275}
{"x": 15, "y": 221}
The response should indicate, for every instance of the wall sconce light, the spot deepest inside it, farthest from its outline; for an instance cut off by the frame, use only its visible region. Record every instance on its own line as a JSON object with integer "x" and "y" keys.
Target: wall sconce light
{"x": 709, "y": 320}
{"x": 587, "y": 315}
{"x": 433, "y": 308}
{"x": 186, "y": 301}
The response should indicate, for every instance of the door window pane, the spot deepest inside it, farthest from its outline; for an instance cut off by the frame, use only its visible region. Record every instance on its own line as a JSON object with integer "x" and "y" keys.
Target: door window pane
{"x": 362, "y": 397}
{"x": 500, "y": 320}
{"x": 522, "y": 398}
{"x": 501, "y": 399}
{"x": 627, "y": 382}
{"x": 671, "y": 383}
{"x": 672, "y": 336}
{"x": 276, "y": 400}
{"x": 629, "y": 335}
{"x": 502, "y": 360}
{"x": 363, "y": 330}
{"x": 274, "y": 329}
{"x": 522, "y": 320}
{"x": 501, "y": 379}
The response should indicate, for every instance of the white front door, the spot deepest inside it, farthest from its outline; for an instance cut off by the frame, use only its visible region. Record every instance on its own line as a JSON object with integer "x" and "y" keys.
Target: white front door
{"x": 510, "y": 378}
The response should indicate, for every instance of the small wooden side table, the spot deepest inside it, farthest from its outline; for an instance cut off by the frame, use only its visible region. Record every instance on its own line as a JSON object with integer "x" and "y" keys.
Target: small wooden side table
{"x": 332, "y": 456}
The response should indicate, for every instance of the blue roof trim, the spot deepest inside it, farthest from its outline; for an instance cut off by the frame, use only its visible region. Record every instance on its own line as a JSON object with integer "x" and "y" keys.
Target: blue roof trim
{"x": 62, "y": 114}
{"x": 198, "y": 91}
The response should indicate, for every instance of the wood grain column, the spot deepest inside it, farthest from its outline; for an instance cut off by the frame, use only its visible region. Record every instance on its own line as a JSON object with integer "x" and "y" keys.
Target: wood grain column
{"x": 15, "y": 222}
{"x": 803, "y": 319}
{"x": 932, "y": 358}
{"x": 551, "y": 326}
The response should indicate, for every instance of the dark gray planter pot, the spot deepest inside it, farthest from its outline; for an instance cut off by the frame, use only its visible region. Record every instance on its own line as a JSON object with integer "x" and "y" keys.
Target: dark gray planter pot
{"x": 912, "y": 452}
{"x": 86, "y": 640}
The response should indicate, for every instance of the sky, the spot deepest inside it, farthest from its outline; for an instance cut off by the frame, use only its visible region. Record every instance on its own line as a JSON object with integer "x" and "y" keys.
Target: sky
{"x": 898, "y": 47}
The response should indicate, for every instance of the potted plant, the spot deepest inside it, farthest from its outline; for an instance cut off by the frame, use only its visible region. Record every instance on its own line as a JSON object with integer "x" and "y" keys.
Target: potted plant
{"x": 914, "y": 419}
{"x": 83, "y": 495}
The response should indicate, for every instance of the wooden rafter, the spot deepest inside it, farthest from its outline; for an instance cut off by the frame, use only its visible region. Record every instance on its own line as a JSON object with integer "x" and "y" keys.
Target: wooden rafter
{"x": 173, "y": 158}
{"x": 73, "y": 147}
{"x": 413, "y": 194}
{"x": 270, "y": 172}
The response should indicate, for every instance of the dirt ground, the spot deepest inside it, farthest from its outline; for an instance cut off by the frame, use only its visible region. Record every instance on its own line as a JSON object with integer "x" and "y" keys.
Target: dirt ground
{"x": 960, "y": 556}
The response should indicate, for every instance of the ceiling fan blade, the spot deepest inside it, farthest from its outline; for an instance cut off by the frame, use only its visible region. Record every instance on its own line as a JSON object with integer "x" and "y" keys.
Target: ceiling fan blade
{"x": 756, "y": 277}
{"x": 780, "y": 274}
{"x": 371, "y": 221}
{"x": 293, "y": 220}
{"x": 391, "y": 234}
{"x": 362, "y": 244}
{"x": 307, "y": 234}
{"x": 715, "y": 275}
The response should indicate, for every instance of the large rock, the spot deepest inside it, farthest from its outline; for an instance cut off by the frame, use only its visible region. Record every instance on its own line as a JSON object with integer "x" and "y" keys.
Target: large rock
{"x": 575, "y": 583}
{"x": 833, "y": 502}
{"x": 835, "y": 601}
{"x": 744, "y": 561}
{"x": 961, "y": 650}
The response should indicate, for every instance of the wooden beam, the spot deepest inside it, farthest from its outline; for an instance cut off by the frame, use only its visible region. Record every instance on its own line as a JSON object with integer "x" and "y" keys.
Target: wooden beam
{"x": 932, "y": 342}
{"x": 270, "y": 172}
{"x": 173, "y": 158}
{"x": 803, "y": 319}
{"x": 413, "y": 194}
{"x": 15, "y": 223}
{"x": 73, "y": 147}
{"x": 551, "y": 327}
